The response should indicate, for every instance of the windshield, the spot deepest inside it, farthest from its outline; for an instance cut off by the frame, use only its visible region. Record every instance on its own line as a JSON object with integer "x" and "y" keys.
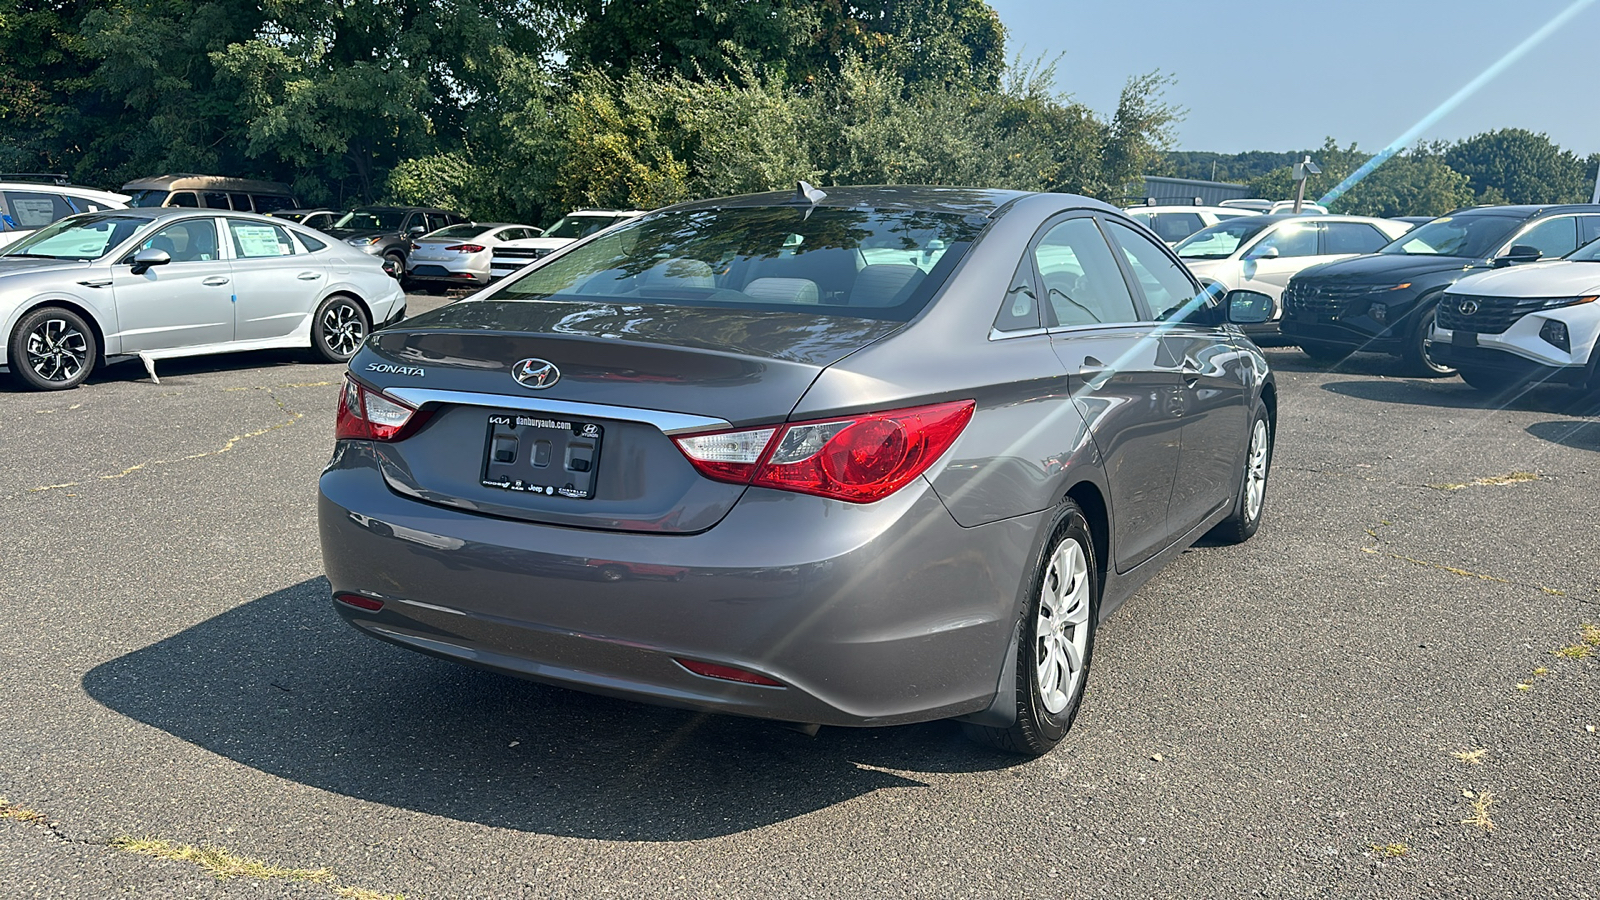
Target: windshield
{"x": 372, "y": 220}
{"x": 1220, "y": 240}
{"x": 80, "y": 237}
{"x": 147, "y": 198}
{"x": 876, "y": 264}
{"x": 578, "y": 226}
{"x": 1589, "y": 252}
{"x": 460, "y": 231}
{"x": 1474, "y": 237}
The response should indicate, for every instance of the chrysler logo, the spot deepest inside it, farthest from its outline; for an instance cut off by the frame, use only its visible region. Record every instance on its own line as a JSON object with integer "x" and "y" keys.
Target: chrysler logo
{"x": 535, "y": 373}
{"x": 1467, "y": 307}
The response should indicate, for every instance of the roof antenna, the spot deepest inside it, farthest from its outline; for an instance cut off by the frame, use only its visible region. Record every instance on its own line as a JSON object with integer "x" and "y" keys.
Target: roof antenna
{"x": 805, "y": 195}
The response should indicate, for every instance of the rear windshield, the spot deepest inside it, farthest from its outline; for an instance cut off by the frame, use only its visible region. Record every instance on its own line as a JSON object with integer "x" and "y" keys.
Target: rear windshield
{"x": 372, "y": 220}
{"x": 875, "y": 264}
{"x": 1474, "y": 237}
{"x": 578, "y": 226}
{"x": 460, "y": 231}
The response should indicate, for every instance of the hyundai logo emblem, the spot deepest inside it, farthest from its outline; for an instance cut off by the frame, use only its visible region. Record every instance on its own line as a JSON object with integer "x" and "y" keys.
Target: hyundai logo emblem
{"x": 534, "y": 373}
{"x": 1468, "y": 307}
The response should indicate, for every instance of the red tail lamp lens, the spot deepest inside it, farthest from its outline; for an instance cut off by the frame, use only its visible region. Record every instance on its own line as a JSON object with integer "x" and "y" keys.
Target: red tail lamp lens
{"x": 726, "y": 673}
{"x": 368, "y": 415}
{"x": 860, "y": 459}
{"x": 467, "y": 248}
{"x": 370, "y": 604}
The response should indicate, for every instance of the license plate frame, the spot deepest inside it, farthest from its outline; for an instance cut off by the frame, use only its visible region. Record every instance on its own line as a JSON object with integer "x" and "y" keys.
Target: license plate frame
{"x": 545, "y": 455}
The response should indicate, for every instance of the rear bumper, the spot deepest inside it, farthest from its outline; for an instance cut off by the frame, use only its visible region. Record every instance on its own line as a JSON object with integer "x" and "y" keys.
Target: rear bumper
{"x": 868, "y": 615}
{"x": 438, "y": 274}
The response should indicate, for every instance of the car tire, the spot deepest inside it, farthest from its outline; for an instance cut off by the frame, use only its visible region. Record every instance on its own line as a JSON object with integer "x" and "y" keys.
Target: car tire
{"x": 398, "y": 261}
{"x": 52, "y": 349}
{"x": 1057, "y": 642}
{"x": 1324, "y": 354}
{"x": 1415, "y": 353}
{"x": 1245, "y": 520}
{"x": 338, "y": 328}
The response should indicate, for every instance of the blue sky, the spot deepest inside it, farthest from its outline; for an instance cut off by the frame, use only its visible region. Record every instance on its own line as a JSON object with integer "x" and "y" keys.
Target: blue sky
{"x": 1259, "y": 75}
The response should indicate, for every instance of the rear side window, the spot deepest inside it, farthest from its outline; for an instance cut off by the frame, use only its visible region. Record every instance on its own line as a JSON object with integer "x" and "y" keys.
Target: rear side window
{"x": 215, "y": 200}
{"x": 1588, "y": 229}
{"x": 32, "y": 209}
{"x": 1020, "y": 310}
{"x": 256, "y": 240}
{"x": 1166, "y": 287}
{"x": 266, "y": 203}
{"x": 1351, "y": 237}
{"x": 1290, "y": 239}
{"x": 1174, "y": 227}
{"x": 311, "y": 244}
{"x": 1552, "y": 237}
{"x": 1082, "y": 283}
{"x": 867, "y": 263}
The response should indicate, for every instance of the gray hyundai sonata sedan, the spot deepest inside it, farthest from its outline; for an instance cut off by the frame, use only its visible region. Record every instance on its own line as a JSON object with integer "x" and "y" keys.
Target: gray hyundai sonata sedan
{"x": 875, "y": 456}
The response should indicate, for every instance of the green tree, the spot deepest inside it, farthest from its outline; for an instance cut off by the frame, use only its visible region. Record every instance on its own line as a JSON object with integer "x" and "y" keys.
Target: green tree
{"x": 1514, "y": 165}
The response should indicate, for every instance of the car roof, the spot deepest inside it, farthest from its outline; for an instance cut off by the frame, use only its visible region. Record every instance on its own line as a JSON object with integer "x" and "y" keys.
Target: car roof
{"x": 55, "y": 188}
{"x": 955, "y": 200}
{"x": 1178, "y": 207}
{"x": 1527, "y": 210}
{"x": 191, "y": 182}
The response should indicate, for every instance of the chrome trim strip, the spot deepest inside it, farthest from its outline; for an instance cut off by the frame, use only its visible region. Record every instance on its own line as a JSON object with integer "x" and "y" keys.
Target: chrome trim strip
{"x": 669, "y": 422}
{"x": 996, "y": 334}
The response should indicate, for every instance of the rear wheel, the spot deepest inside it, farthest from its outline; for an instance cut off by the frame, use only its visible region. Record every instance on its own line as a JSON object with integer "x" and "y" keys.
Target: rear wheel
{"x": 1415, "y": 352}
{"x": 1324, "y": 354}
{"x": 338, "y": 328}
{"x": 52, "y": 349}
{"x": 1057, "y": 643}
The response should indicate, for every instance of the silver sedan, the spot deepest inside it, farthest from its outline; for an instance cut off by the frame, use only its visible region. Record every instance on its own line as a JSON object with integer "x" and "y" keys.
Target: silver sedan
{"x": 152, "y": 284}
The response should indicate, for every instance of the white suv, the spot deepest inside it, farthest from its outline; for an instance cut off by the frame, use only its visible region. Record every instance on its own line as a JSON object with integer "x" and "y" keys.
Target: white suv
{"x": 30, "y": 202}
{"x": 512, "y": 256}
{"x": 1174, "y": 223}
{"x": 1524, "y": 324}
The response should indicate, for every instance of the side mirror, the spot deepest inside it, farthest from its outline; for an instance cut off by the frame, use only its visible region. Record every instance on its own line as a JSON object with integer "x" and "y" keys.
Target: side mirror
{"x": 144, "y": 259}
{"x": 416, "y": 230}
{"x": 1519, "y": 253}
{"x": 1248, "y": 307}
{"x": 1263, "y": 253}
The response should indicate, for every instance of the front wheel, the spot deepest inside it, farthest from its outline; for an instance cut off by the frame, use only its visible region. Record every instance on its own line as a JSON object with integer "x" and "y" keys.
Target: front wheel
{"x": 1246, "y": 518}
{"x": 1482, "y": 379}
{"x": 1057, "y": 643}
{"x": 52, "y": 349}
{"x": 1415, "y": 353}
{"x": 338, "y": 328}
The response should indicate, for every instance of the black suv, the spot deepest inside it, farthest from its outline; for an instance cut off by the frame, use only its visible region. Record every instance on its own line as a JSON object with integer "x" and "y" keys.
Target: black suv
{"x": 387, "y": 231}
{"x": 1385, "y": 301}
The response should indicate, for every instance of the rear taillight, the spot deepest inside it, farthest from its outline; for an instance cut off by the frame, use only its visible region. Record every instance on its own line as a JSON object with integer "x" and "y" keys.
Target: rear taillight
{"x": 367, "y": 415}
{"x": 467, "y": 248}
{"x": 858, "y": 459}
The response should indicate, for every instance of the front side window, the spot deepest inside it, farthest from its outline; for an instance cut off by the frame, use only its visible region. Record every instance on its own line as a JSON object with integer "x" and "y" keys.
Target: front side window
{"x": 1166, "y": 286}
{"x": 32, "y": 209}
{"x": 186, "y": 199}
{"x": 1551, "y": 237}
{"x": 1290, "y": 239}
{"x": 1081, "y": 280}
{"x": 257, "y": 240}
{"x": 818, "y": 260}
{"x": 192, "y": 240}
{"x": 81, "y": 237}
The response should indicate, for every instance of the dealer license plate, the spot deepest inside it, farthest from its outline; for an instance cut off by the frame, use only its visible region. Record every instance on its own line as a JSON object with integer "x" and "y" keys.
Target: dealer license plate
{"x": 536, "y": 454}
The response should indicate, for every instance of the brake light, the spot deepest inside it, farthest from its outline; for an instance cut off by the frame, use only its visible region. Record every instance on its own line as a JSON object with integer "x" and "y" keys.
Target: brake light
{"x": 368, "y": 415}
{"x": 467, "y": 248}
{"x": 858, "y": 459}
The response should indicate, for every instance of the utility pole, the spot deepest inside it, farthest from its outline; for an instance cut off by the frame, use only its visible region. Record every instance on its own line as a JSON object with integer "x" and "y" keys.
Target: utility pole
{"x": 1302, "y": 169}
{"x": 1596, "y": 198}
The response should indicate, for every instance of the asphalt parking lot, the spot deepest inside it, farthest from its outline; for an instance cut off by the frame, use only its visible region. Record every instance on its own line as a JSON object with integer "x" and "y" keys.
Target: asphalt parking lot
{"x": 1366, "y": 700}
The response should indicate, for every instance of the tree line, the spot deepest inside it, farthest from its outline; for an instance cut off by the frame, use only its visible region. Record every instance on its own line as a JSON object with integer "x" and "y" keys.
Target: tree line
{"x": 1510, "y": 165}
{"x": 521, "y": 109}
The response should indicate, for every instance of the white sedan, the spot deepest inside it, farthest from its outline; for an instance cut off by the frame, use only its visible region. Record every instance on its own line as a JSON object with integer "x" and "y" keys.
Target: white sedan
{"x": 459, "y": 255}
{"x": 1261, "y": 253}
{"x": 166, "y": 282}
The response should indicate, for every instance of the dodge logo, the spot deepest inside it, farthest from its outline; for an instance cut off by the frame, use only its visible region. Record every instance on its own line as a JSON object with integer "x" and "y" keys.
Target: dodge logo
{"x": 534, "y": 373}
{"x": 1467, "y": 307}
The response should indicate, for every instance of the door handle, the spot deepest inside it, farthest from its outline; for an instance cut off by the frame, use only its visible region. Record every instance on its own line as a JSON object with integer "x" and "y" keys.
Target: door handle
{"x": 309, "y": 276}
{"x": 96, "y": 282}
{"x": 1191, "y": 372}
{"x": 1093, "y": 371}
{"x": 215, "y": 280}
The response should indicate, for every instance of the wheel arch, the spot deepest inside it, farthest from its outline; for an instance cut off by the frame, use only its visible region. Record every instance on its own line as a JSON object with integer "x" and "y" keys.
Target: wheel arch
{"x": 360, "y": 301}
{"x": 1098, "y": 514}
{"x": 82, "y": 310}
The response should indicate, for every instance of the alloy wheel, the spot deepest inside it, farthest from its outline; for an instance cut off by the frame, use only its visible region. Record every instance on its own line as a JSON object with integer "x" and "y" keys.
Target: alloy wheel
{"x": 57, "y": 351}
{"x": 343, "y": 329}
{"x": 1062, "y": 628}
{"x": 1255, "y": 472}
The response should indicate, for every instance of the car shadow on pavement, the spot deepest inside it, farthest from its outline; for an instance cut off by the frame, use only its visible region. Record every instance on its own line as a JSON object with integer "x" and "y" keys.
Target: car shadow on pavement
{"x": 283, "y": 685}
{"x": 1567, "y": 433}
{"x": 170, "y": 370}
{"x": 1453, "y": 394}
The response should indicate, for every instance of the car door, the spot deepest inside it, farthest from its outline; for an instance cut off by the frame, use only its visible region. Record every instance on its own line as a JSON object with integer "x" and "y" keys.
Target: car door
{"x": 1211, "y": 373}
{"x": 1123, "y": 386}
{"x": 184, "y": 303}
{"x": 277, "y": 285}
{"x": 1295, "y": 243}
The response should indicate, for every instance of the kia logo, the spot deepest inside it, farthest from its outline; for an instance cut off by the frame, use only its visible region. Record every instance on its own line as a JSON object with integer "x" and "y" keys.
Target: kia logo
{"x": 535, "y": 374}
{"x": 1468, "y": 307}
